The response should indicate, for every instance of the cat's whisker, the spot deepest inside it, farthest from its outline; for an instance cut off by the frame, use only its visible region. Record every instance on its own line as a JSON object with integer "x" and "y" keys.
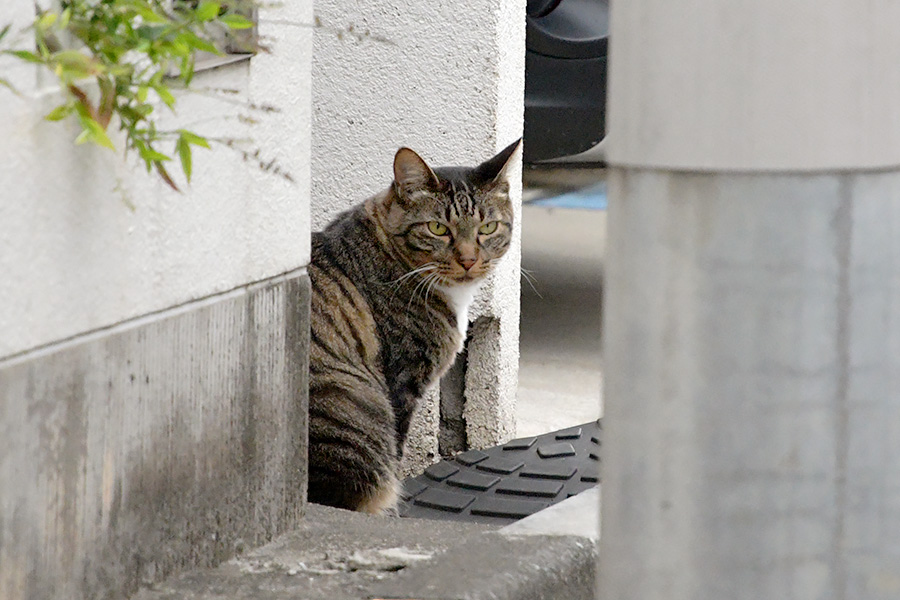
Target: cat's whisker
{"x": 422, "y": 269}
{"x": 531, "y": 280}
{"x": 420, "y": 285}
{"x": 431, "y": 284}
{"x": 437, "y": 280}
{"x": 395, "y": 284}
{"x": 432, "y": 281}
{"x": 423, "y": 291}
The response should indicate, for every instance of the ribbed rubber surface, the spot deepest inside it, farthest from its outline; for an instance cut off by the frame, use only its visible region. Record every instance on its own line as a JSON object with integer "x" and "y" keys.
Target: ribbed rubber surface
{"x": 505, "y": 483}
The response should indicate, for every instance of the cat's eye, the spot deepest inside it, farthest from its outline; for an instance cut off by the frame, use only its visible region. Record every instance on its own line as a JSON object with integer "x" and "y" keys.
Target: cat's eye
{"x": 488, "y": 228}
{"x": 437, "y": 228}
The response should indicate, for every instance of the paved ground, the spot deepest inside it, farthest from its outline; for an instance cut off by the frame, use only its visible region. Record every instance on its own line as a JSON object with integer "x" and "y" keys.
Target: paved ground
{"x": 560, "y": 365}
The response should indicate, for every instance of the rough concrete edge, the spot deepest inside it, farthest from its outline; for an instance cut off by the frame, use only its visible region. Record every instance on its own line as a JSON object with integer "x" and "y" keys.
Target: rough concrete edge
{"x": 538, "y": 558}
{"x": 550, "y": 554}
{"x": 497, "y": 566}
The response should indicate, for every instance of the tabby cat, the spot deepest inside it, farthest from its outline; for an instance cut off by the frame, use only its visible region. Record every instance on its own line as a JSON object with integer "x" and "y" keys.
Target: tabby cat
{"x": 392, "y": 281}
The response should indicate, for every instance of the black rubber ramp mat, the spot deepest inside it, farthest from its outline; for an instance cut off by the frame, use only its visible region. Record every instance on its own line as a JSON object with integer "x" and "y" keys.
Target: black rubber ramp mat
{"x": 506, "y": 483}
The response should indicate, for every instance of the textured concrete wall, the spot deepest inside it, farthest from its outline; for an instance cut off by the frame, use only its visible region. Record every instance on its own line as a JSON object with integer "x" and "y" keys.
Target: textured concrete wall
{"x": 447, "y": 80}
{"x": 74, "y": 257}
{"x": 170, "y": 442}
{"x": 752, "y": 308}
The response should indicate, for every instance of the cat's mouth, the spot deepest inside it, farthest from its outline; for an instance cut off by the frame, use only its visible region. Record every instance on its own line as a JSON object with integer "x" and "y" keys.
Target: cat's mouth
{"x": 467, "y": 276}
{"x": 451, "y": 275}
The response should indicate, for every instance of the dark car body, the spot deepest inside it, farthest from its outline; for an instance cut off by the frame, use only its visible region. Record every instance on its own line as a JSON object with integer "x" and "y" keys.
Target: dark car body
{"x": 565, "y": 77}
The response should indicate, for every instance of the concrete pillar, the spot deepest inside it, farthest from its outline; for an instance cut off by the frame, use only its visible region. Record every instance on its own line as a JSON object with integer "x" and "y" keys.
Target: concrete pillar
{"x": 446, "y": 79}
{"x": 752, "y": 324}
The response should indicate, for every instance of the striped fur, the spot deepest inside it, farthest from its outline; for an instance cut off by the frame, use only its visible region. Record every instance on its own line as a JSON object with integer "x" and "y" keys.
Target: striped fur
{"x": 392, "y": 279}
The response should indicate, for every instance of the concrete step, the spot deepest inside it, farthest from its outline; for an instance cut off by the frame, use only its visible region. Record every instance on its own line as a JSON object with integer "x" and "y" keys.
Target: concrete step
{"x": 341, "y": 555}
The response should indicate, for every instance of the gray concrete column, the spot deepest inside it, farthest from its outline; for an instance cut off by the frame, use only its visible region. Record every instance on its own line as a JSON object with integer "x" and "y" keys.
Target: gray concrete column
{"x": 752, "y": 324}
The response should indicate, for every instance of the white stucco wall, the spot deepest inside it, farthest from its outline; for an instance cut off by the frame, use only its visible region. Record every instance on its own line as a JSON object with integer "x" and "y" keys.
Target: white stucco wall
{"x": 74, "y": 257}
{"x": 446, "y": 79}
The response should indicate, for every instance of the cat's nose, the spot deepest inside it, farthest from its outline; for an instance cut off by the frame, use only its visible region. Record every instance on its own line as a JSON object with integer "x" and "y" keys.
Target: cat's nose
{"x": 467, "y": 262}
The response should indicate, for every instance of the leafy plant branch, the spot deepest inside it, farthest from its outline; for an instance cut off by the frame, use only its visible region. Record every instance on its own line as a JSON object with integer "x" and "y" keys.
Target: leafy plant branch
{"x": 132, "y": 51}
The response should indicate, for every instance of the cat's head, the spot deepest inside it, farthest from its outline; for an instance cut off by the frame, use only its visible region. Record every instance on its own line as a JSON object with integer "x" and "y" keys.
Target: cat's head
{"x": 456, "y": 222}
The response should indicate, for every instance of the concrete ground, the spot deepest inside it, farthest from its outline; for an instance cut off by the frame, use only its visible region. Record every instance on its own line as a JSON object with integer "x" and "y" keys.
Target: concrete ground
{"x": 560, "y": 368}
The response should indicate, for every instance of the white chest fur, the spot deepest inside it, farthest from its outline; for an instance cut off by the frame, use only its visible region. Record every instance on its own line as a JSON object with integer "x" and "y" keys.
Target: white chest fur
{"x": 461, "y": 297}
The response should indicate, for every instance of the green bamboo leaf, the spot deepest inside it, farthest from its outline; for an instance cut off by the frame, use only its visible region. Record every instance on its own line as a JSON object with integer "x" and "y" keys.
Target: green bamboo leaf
{"x": 146, "y": 13}
{"x": 82, "y": 110}
{"x": 92, "y": 131}
{"x": 5, "y": 83}
{"x": 139, "y": 145}
{"x": 151, "y": 33}
{"x": 100, "y": 138}
{"x": 207, "y": 11}
{"x": 25, "y": 55}
{"x": 193, "y": 138}
{"x": 199, "y": 43}
{"x": 60, "y": 112}
{"x": 65, "y": 18}
{"x": 119, "y": 70}
{"x": 184, "y": 153}
{"x": 72, "y": 64}
{"x": 46, "y": 20}
{"x": 154, "y": 156}
{"x": 143, "y": 109}
{"x": 4, "y": 31}
{"x": 165, "y": 95}
{"x": 236, "y": 21}
{"x": 180, "y": 47}
{"x": 161, "y": 169}
{"x": 187, "y": 69}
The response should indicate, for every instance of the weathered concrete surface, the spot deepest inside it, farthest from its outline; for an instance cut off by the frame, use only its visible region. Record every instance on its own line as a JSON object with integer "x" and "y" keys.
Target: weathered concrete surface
{"x": 448, "y": 81}
{"x": 169, "y": 442}
{"x": 337, "y": 555}
{"x": 503, "y": 567}
{"x": 752, "y": 419}
{"x": 333, "y": 554}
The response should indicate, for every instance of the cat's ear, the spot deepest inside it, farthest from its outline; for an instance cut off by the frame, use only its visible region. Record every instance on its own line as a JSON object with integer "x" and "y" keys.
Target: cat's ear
{"x": 411, "y": 172}
{"x": 497, "y": 168}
